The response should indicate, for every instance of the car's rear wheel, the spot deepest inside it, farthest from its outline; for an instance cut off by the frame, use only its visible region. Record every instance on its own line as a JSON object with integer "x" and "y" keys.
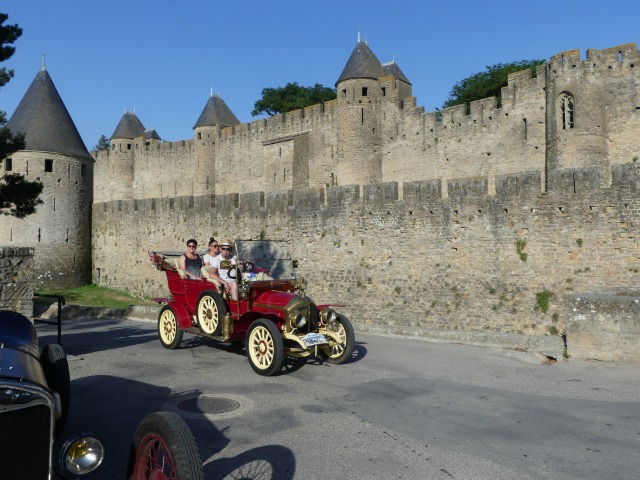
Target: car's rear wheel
{"x": 168, "y": 331}
{"x": 56, "y": 371}
{"x": 264, "y": 346}
{"x": 339, "y": 352}
{"x": 210, "y": 311}
{"x": 164, "y": 448}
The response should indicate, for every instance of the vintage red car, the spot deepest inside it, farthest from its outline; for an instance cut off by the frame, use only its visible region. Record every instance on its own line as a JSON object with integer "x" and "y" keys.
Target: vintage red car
{"x": 272, "y": 315}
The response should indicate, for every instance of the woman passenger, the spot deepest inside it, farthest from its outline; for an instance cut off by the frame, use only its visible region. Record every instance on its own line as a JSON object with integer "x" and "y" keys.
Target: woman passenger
{"x": 214, "y": 251}
{"x": 191, "y": 262}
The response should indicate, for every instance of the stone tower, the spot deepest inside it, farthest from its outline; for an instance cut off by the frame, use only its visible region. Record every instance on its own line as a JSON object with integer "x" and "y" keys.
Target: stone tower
{"x": 587, "y": 111}
{"x": 359, "y": 158}
{"x": 122, "y": 155}
{"x": 60, "y": 230}
{"x": 215, "y": 116}
{"x": 366, "y": 90}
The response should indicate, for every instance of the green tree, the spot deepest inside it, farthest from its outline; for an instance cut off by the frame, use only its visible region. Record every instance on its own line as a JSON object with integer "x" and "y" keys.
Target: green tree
{"x": 291, "y": 97}
{"x": 18, "y": 197}
{"x": 488, "y": 83}
{"x": 103, "y": 144}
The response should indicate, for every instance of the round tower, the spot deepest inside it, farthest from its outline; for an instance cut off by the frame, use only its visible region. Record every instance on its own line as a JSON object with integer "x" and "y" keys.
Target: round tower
{"x": 60, "y": 230}
{"x": 358, "y": 92}
{"x": 215, "y": 116}
{"x": 122, "y": 156}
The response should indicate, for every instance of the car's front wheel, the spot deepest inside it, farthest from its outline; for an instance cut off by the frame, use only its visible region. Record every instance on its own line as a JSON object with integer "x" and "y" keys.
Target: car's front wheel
{"x": 264, "y": 346}
{"x": 163, "y": 447}
{"x": 340, "y": 351}
{"x": 168, "y": 331}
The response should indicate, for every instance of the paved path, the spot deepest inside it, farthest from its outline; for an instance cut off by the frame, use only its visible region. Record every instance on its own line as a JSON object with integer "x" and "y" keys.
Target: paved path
{"x": 401, "y": 409}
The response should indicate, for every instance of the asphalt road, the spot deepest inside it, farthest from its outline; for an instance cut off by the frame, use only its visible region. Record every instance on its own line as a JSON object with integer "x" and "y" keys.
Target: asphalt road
{"x": 400, "y": 409}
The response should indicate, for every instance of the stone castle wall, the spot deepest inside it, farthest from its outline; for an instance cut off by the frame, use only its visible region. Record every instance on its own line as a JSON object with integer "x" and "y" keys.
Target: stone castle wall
{"x": 473, "y": 261}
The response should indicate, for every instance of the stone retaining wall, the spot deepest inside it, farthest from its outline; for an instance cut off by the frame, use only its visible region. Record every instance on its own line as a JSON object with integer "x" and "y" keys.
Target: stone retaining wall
{"x": 604, "y": 325}
{"x": 16, "y": 279}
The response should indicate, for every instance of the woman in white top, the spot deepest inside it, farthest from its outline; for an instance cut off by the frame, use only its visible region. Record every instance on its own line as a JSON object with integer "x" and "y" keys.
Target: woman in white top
{"x": 230, "y": 284}
{"x": 214, "y": 250}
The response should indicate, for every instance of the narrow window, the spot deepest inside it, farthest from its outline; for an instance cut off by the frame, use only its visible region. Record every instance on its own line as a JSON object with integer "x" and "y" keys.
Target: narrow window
{"x": 620, "y": 56}
{"x": 69, "y": 171}
{"x": 362, "y": 116}
{"x": 525, "y": 128}
{"x": 344, "y": 93}
{"x": 54, "y": 204}
{"x": 113, "y": 147}
{"x": 8, "y": 165}
{"x": 83, "y": 170}
{"x": 199, "y": 136}
{"x": 48, "y": 165}
{"x": 39, "y": 235}
{"x": 567, "y": 106}
{"x": 365, "y": 90}
{"x": 128, "y": 146}
{"x": 384, "y": 91}
{"x": 280, "y": 152}
{"x": 27, "y": 167}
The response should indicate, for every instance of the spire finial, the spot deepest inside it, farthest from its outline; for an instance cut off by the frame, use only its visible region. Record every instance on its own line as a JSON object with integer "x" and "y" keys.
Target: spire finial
{"x": 358, "y": 35}
{"x": 366, "y": 40}
{"x": 43, "y": 67}
{"x": 211, "y": 94}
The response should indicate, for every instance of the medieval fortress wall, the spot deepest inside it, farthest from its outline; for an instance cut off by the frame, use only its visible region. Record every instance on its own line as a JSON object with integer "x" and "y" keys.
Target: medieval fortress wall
{"x": 478, "y": 221}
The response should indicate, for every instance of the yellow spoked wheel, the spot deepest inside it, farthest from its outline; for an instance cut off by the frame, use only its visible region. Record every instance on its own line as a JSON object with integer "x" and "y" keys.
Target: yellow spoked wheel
{"x": 170, "y": 334}
{"x": 264, "y": 346}
{"x": 340, "y": 351}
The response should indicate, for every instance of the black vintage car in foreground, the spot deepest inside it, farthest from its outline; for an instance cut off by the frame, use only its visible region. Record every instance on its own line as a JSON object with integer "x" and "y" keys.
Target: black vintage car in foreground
{"x": 35, "y": 391}
{"x": 35, "y": 394}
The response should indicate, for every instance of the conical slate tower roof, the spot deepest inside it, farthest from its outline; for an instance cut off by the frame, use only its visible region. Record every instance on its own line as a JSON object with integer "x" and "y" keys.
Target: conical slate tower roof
{"x": 129, "y": 126}
{"x": 216, "y": 112}
{"x": 43, "y": 117}
{"x": 392, "y": 68}
{"x": 362, "y": 63}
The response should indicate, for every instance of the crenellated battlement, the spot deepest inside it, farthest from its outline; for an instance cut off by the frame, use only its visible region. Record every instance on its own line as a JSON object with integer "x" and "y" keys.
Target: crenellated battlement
{"x": 375, "y": 133}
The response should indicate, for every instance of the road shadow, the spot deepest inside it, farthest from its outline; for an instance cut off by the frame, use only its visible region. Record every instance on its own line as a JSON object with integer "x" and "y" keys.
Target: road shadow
{"x": 114, "y": 334}
{"x": 270, "y": 462}
{"x": 113, "y": 407}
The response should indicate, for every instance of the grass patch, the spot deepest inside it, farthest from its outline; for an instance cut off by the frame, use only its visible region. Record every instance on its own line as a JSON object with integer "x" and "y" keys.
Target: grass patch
{"x": 95, "y": 296}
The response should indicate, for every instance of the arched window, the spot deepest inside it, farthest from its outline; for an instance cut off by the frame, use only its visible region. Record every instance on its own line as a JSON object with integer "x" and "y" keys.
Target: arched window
{"x": 566, "y": 110}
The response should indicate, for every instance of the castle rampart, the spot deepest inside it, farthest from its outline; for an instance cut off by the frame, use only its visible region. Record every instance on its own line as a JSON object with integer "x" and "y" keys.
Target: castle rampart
{"x": 407, "y": 256}
{"x": 451, "y": 220}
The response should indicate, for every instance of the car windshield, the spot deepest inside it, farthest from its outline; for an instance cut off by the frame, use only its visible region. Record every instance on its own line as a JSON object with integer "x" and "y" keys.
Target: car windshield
{"x": 271, "y": 256}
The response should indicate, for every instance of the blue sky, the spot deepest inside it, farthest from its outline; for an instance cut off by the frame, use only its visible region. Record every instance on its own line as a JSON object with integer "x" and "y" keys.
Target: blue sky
{"x": 161, "y": 58}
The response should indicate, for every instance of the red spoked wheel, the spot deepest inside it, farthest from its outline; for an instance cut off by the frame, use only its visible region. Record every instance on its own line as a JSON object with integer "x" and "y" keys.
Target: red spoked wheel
{"x": 164, "y": 449}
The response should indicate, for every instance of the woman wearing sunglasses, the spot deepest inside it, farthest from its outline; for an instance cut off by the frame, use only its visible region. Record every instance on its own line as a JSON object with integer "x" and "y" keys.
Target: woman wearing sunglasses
{"x": 191, "y": 262}
{"x": 214, "y": 250}
{"x": 230, "y": 284}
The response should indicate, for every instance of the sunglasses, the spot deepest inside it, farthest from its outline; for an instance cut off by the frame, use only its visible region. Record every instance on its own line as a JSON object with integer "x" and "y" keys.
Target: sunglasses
{"x": 214, "y": 246}
{"x": 192, "y": 245}
{"x": 225, "y": 248}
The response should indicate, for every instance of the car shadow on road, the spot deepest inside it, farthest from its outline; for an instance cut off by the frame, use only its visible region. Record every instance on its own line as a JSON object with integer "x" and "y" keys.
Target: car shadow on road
{"x": 113, "y": 407}
{"x": 269, "y": 462}
{"x": 113, "y": 335}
